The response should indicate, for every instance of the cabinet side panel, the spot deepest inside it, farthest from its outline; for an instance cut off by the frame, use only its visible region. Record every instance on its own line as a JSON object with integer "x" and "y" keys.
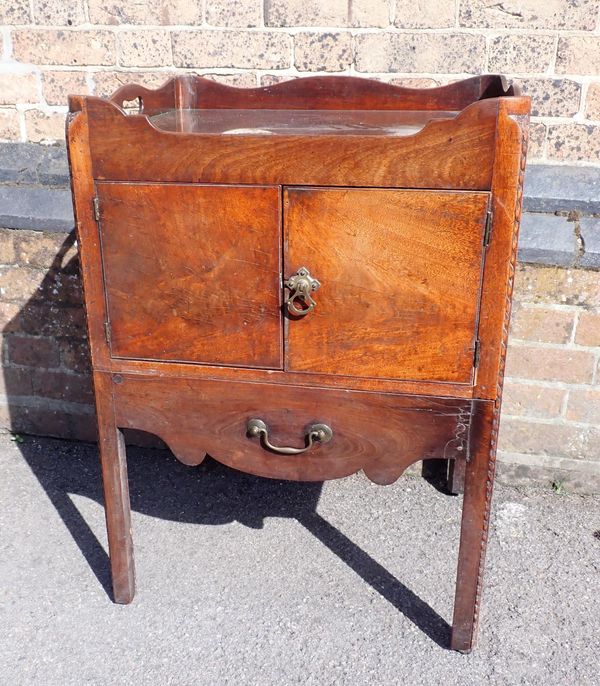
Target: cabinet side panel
{"x": 498, "y": 277}
{"x": 88, "y": 240}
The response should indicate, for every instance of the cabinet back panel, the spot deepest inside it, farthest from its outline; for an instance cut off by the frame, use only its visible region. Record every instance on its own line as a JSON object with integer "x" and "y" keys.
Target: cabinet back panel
{"x": 400, "y": 275}
{"x": 192, "y": 273}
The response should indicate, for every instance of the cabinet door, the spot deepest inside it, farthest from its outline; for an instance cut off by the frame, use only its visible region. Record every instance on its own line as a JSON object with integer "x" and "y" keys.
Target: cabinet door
{"x": 400, "y": 274}
{"x": 192, "y": 273}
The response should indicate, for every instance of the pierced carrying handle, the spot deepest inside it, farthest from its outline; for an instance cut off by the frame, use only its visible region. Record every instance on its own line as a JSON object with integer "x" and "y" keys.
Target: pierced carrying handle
{"x": 316, "y": 433}
{"x": 301, "y": 285}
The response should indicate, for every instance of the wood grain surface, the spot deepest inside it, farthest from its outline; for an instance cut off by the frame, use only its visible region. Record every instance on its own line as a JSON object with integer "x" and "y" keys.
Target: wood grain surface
{"x": 400, "y": 276}
{"x": 447, "y": 153}
{"x": 379, "y": 434}
{"x": 192, "y": 272}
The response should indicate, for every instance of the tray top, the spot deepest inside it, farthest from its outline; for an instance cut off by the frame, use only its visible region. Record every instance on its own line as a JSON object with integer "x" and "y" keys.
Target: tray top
{"x": 265, "y": 122}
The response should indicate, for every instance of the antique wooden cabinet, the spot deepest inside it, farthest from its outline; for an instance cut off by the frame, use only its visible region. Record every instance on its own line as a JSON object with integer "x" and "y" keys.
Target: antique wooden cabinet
{"x": 303, "y": 281}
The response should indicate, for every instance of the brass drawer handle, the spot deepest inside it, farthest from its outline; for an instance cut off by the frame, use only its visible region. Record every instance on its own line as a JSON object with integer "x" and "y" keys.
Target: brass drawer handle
{"x": 316, "y": 433}
{"x": 301, "y": 285}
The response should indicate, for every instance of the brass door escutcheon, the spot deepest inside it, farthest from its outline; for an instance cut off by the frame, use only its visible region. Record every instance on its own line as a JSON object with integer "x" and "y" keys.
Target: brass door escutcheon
{"x": 301, "y": 285}
{"x": 316, "y": 433}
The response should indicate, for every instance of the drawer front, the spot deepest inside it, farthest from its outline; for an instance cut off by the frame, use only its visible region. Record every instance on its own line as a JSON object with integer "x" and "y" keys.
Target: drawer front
{"x": 381, "y": 434}
{"x": 192, "y": 273}
{"x": 400, "y": 280}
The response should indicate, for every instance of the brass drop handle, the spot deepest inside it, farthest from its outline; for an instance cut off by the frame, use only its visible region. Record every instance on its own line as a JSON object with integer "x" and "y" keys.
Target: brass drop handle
{"x": 316, "y": 433}
{"x": 301, "y": 285}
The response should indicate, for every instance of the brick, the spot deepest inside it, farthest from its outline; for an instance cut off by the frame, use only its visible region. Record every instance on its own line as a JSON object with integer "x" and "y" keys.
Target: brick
{"x": 40, "y": 249}
{"x": 73, "y": 388}
{"x": 65, "y": 12}
{"x": 592, "y": 101}
{"x": 322, "y": 51}
{"x": 306, "y": 13}
{"x": 75, "y": 355}
{"x": 584, "y": 406}
{"x": 18, "y": 284}
{"x": 588, "y": 329}
{"x": 521, "y": 53}
{"x": 542, "y": 325}
{"x": 233, "y": 49}
{"x": 149, "y": 12}
{"x": 557, "y": 285}
{"x": 552, "y": 97}
{"x": 65, "y": 47}
{"x": 9, "y": 313}
{"x": 577, "y": 476}
{"x": 549, "y": 14}
{"x": 536, "y": 148}
{"x": 370, "y": 13}
{"x": 424, "y": 14}
{"x": 520, "y": 436}
{"x": 578, "y": 55}
{"x": 527, "y": 400}
{"x": 83, "y": 427}
{"x": 419, "y": 52}
{"x": 39, "y": 421}
{"x": 107, "y": 82}
{"x": 60, "y": 288}
{"x": 549, "y": 364}
{"x": 45, "y": 126}
{"x": 246, "y": 79}
{"x": 18, "y": 87}
{"x": 15, "y": 382}
{"x": 417, "y": 82}
{"x": 33, "y": 352}
{"x": 9, "y": 124}
{"x": 7, "y": 246}
{"x": 578, "y": 142}
{"x": 47, "y": 319}
{"x": 143, "y": 439}
{"x": 15, "y": 12}
{"x": 58, "y": 85}
{"x": 242, "y": 13}
{"x": 144, "y": 48}
{"x": 272, "y": 79}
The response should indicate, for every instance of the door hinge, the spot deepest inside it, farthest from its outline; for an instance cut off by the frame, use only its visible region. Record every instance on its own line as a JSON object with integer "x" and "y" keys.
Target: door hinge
{"x": 488, "y": 228}
{"x": 107, "y": 331}
{"x": 476, "y": 353}
{"x": 96, "y": 204}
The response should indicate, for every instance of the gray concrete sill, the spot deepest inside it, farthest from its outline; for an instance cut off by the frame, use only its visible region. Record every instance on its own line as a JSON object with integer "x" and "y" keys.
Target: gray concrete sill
{"x": 560, "y": 224}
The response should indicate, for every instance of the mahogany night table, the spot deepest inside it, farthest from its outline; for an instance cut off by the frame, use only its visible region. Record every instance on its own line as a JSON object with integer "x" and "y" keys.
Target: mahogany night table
{"x": 303, "y": 281}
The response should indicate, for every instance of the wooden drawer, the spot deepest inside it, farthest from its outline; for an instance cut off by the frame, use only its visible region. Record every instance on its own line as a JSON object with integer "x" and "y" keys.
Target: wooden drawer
{"x": 381, "y": 434}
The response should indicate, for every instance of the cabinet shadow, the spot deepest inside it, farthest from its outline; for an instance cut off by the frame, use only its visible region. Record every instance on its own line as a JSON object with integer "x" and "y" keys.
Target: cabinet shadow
{"x": 160, "y": 486}
{"x": 210, "y": 494}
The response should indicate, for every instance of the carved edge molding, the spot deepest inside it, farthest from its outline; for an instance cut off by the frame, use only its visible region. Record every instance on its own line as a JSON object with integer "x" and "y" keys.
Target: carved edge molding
{"x": 522, "y": 121}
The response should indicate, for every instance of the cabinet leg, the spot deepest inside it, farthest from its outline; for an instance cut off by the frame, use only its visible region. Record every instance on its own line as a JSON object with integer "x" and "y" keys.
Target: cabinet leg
{"x": 456, "y": 476}
{"x": 116, "y": 496}
{"x": 479, "y": 477}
